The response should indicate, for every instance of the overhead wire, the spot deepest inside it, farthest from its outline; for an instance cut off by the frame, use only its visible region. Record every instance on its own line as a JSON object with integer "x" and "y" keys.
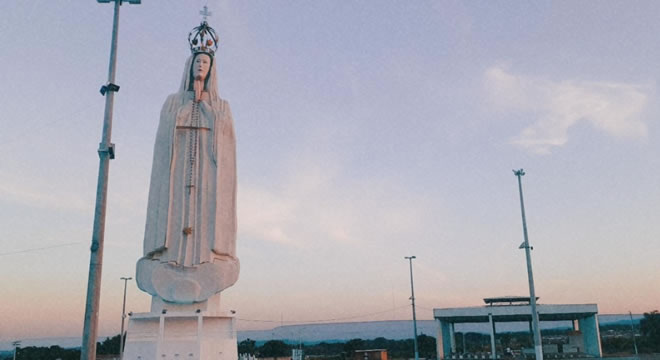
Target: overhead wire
{"x": 40, "y": 248}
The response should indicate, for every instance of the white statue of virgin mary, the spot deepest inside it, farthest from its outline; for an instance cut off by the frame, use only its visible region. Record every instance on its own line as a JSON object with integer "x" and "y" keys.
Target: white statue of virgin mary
{"x": 190, "y": 235}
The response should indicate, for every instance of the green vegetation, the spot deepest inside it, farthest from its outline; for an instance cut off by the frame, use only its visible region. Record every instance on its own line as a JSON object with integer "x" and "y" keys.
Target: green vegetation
{"x": 108, "y": 347}
{"x": 650, "y": 329}
{"x": 395, "y": 348}
{"x": 340, "y": 350}
{"x": 274, "y": 348}
{"x": 46, "y": 353}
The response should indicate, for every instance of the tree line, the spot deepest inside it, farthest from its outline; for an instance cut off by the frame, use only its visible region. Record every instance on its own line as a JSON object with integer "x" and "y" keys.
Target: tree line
{"x": 341, "y": 350}
{"x": 110, "y": 346}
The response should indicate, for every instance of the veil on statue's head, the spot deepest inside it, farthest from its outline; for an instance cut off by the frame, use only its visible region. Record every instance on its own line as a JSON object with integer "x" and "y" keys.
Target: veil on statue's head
{"x": 211, "y": 82}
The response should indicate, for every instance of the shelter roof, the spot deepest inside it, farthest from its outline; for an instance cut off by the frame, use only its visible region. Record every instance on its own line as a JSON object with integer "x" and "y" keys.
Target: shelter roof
{"x": 513, "y": 313}
{"x": 507, "y": 299}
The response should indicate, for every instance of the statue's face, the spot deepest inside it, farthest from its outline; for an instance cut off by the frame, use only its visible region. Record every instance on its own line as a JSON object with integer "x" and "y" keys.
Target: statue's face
{"x": 201, "y": 66}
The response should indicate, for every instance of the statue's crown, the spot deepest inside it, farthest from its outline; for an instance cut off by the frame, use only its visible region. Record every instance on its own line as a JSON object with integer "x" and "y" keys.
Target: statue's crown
{"x": 203, "y": 39}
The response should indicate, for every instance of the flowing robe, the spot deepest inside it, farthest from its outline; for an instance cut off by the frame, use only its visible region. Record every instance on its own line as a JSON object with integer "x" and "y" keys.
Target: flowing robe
{"x": 190, "y": 232}
{"x": 213, "y": 206}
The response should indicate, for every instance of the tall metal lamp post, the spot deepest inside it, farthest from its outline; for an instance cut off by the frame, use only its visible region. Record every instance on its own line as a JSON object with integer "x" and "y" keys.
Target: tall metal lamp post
{"x": 123, "y": 316}
{"x": 106, "y": 152}
{"x": 412, "y": 291}
{"x": 538, "y": 345}
{"x": 632, "y": 331}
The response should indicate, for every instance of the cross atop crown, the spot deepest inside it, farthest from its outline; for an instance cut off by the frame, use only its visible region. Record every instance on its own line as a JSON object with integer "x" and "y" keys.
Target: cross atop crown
{"x": 203, "y": 38}
{"x": 205, "y": 13}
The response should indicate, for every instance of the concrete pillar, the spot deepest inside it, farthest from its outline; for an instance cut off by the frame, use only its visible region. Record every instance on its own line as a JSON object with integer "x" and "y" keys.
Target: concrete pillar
{"x": 443, "y": 342}
{"x": 161, "y": 333}
{"x": 591, "y": 335}
{"x": 452, "y": 338}
{"x": 492, "y": 337}
{"x": 439, "y": 350}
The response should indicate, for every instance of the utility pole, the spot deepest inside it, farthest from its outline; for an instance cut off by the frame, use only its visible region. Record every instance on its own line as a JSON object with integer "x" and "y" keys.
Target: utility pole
{"x": 412, "y": 291}
{"x": 538, "y": 345}
{"x": 123, "y": 316}
{"x": 632, "y": 331}
{"x": 106, "y": 152}
{"x": 16, "y": 344}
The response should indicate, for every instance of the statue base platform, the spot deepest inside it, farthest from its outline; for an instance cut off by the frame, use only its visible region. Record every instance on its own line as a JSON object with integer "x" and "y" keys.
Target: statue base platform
{"x": 176, "y": 332}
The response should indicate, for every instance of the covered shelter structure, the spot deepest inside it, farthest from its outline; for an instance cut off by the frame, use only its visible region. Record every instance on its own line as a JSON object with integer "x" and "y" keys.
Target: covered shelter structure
{"x": 584, "y": 317}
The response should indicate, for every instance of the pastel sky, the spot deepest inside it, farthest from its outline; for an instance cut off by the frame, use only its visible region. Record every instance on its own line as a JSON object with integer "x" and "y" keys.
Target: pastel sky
{"x": 367, "y": 131}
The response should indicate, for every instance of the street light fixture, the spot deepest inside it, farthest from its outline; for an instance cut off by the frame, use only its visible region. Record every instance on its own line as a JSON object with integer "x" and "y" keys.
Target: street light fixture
{"x": 412, "y": 297}
{"x": 538, "y": 345}
{"x": 134, "y": 2}
{"x": 106, "y": 152}
{"x": 123, "y": 316}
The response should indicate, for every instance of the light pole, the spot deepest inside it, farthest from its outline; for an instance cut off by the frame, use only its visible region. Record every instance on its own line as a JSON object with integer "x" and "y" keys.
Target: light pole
{"x": 538, "y": 345}
{"x": 632, "y": 330}
{"x": 106, "y": 152}
{"x": 412, "y": 291}
{"x": 16, "y": 344}
{"x": 123, "y": 316}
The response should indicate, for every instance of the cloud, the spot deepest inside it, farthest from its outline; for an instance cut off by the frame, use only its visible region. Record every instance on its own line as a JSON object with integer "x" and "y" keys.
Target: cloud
{"x": 41, "y": 197}
{"x": 315, "y": 205}
{"x": 614, "y": 108}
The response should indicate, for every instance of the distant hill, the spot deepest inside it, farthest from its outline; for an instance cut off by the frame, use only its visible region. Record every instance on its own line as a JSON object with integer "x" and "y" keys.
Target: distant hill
{"x": 334, "y": 332}
{"x": 395, "y": 330}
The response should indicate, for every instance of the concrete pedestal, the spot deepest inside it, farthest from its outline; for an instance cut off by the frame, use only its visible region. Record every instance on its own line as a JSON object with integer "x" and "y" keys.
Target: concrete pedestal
{"x": 187, "y": 334}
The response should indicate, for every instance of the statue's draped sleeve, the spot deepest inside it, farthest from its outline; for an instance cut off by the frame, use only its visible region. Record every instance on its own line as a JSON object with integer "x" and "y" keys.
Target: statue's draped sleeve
{"x": 225, "y": 156}
{"x": 158, "y": 202}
